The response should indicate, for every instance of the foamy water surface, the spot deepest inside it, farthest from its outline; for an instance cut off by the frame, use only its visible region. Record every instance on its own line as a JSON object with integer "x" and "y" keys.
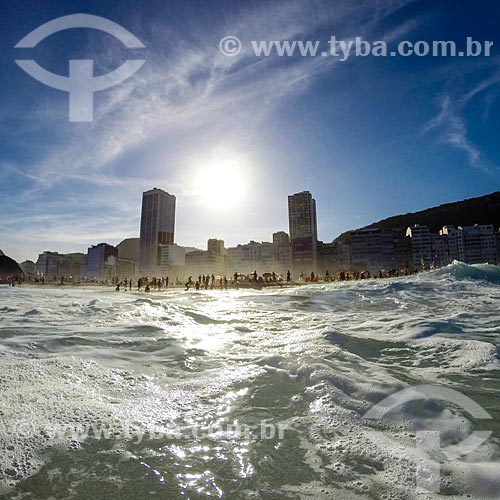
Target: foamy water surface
{"x": 128, "y": 395}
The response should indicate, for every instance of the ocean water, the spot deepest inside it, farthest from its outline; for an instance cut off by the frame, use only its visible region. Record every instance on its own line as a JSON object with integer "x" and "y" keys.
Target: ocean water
{"x": 253, "y": 394}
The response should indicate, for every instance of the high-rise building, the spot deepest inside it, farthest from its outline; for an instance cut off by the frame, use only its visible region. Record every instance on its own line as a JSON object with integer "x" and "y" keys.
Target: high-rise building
{"x": 48, "y": 265}
{"x": 216, "y": 246}
{"x": 421, "y": 245}
{"x": 303, "y": 231}
{"x": 334, "y": 257}
{"x": 173, "y": 259}
{"x": 202, "y": 262}
{"x": 283, "y": 252}
{"x": 129, "y": 249}
{"x": 479, "y": 244}
{"x": 302, "y": 216}
{"x": 440, "y": 250}
{"x": 29, "y": 268}
{"x": 128, "y": 258}
{"x": 455, "y": 242}
{"x": 372, "y": 249}
{"x": 244, "y": 259}
{"x": 102, "y": 262}
{"x": 281, "y": 238}
{"x": 403, "y": 252}
{"x": 52, "y": 266}
{"x": 157, "y": 227}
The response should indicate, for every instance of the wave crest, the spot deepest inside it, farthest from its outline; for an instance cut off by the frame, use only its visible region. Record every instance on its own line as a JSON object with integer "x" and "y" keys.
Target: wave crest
{"x": 461, "y": 271}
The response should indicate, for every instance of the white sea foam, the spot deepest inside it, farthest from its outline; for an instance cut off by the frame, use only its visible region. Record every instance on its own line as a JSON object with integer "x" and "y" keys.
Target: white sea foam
{"x": 314, "y": 359}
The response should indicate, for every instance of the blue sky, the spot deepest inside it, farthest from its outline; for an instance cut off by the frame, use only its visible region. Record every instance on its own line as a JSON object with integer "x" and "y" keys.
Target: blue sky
{"x": 369, "y": 137}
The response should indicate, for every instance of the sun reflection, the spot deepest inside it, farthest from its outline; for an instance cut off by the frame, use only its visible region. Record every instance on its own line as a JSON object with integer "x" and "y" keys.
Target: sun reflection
{"x": 203, "y": 483}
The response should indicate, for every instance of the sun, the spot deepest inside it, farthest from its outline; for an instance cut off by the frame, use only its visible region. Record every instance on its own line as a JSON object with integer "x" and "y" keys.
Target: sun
{"x": 222, "y": 182}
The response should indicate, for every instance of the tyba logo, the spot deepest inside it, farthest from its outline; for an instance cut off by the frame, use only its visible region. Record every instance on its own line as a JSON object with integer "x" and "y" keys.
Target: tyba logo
{"x": 429, "y": 442}
{"x": 81, "y": 83}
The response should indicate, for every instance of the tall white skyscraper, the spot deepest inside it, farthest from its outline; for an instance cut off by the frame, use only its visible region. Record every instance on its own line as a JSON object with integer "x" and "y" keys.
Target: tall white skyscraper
{"x": 157, "y": 227}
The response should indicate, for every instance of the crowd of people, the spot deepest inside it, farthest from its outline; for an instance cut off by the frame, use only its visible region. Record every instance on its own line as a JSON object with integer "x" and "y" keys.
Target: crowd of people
{"x": 202, "y": 282}
{"x": 210, "y": 281}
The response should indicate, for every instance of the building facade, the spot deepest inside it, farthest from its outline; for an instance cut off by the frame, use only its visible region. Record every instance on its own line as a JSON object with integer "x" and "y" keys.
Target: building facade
{"x": 157, "y": 228}
{"x": 129, "y": 249}
{"x": 48, "y": 265}
{"x": 244, "y": 259}
{"x": 303, "y": 228}
{"x": 54, "y": 266}
{"x": 204, "y": 262}
{"x": 421, "y": 246}
{"x": 479, "y": 244}
{"x": 439, "y": 250}
{"x": 216, "y": 246}
{"x": 283, "y": 253}
{"x": 372, "y": 249}
{"x": 29, "y": 269}
{"x": 173, "y": 259}
{"x": 102, "y": 262}
{"x": 455, "y": 243}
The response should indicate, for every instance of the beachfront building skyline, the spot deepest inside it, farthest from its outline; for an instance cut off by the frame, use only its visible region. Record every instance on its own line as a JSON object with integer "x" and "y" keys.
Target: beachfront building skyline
{"x": 303, "y": 229}
{"x": 53, "y": 266}
{"x": 370, "y": 249}
{"x": 157, "y": 228}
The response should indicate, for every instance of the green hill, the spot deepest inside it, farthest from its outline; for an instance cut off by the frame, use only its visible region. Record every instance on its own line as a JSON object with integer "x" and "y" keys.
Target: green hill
{"x": 481, "y": 210}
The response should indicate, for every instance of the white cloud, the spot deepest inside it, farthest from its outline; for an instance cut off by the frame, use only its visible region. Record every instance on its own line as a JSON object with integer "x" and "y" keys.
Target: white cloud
{"x": 452, "y": 126}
